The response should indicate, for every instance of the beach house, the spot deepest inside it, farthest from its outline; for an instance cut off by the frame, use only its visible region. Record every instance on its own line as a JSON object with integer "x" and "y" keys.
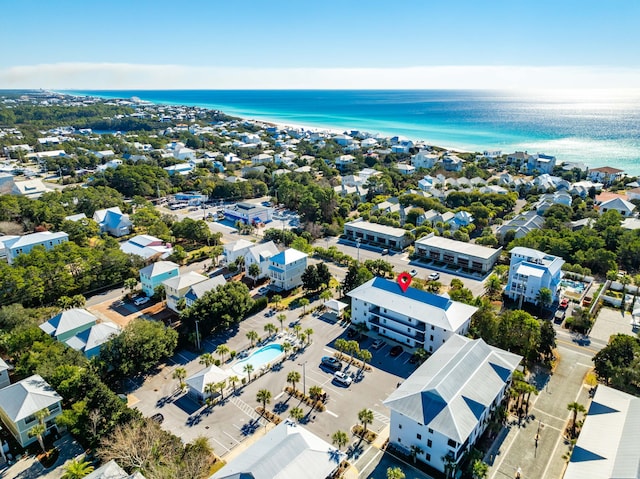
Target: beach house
{"x": 153, "y": 275}
{"x": 113, "y": 221}
{"x": 286, "y": 268}
{"x": 177, "y": 287}
{"x": 529, "y": 271}
{"x": 24, "y": 244}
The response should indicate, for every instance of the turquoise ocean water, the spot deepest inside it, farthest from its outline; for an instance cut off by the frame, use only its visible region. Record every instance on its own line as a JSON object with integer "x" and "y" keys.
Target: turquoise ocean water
{"x": 599, "y": 128}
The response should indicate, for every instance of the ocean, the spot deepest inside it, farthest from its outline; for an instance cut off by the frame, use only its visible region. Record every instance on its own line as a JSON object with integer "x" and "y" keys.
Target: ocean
{"x": 598, "y": 128}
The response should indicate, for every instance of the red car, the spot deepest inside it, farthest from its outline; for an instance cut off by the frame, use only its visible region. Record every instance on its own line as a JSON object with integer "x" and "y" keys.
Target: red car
{"x": 564, "y": 303}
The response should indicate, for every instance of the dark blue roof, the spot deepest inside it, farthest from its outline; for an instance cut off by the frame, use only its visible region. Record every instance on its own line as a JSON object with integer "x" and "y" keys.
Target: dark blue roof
{"x": 434, "y": 300}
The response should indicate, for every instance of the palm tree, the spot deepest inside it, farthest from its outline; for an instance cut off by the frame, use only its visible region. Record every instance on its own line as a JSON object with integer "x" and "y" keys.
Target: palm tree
{"x": 233, "y": 380}
{"x": 286, "y": 347}
{"x": 353, "y": 348}
{"x": 340, "y": 439}
{"x": 326, "y": 295}
{"x": 395, "y": 473}
{"x": 248, "y": 368}
{"x": 270, "y": 328}
{"x": 575, "y": 408}
{"x": 296, "y": 413}
{"x": 480, "y": 469}
{"x": 180, "y": 374}
{"x": 415, "y": 452}
{"x": 207, "y": 360}
{"x": 544, "y": 298}
{"x": 450, "y": 465}
{"x": 434, "y": 286}
{"x": 131, "y": 284}
{"x": 296, "y": 329}
{"x": 365, "y": 416}
{"x": 293, "y": 377}
{"x": 209, "y": 390}
{"x": 365, "y": 356}
{"x": 315, "y": 392}
{"x": 221, "y": 350}
{"x": 264, "y": 396}
{"x": 276, "y": 299}
{"x": 38, "y": 431}
{"x": 308, "y": 332}
{"x": 493, "y": 285}
{"x": 254, "y": 272}
{"x": 77, "y": 469}
{"x": 282, "y": 317}
{"x": 220, "y": 387}
{"x": 302, "y": 338}
{"x": 341, "y": 345}
{"x": 304, "y": 302}
{"x": 252, "y": 336}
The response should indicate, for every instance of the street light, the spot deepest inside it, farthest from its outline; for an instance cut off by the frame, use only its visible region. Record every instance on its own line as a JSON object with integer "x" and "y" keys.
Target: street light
{"x": 358, "y": 240}
{"x": 197, "y": 335}
{"x": 304, "y": 377}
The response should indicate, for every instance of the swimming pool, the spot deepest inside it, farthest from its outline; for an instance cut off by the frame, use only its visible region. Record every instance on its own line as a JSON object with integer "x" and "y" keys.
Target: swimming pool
{"x": 577, "y": 286}
{"x": 259, "y": 358}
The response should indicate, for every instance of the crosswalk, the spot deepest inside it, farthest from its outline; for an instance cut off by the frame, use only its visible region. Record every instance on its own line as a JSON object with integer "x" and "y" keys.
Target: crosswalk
{"x": 381, "y": 417}
{"x": 244, "y": 407}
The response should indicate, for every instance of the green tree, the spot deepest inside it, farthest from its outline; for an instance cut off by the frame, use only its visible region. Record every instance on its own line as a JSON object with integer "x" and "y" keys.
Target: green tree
{"x": 326, "y": 295}
{"x": 270, "y": 328}
{"x": 296, "y": 413}
{"x": 575, "y": 408}
{"x": 207, "y": 360}
{"x": 544, "y": 298}
{"x": 494, "y": 285}
{"x": 286, "y": 348}
{"x": 264, "y": 397}
{"x": 365, "y": 356}
{"x": 131, "y": 284}
{"x": 356, "y": 275}
{"x": 480, "y": 469}
{"x": 415, "y": 452}
{"x": 77, "y": 469}
{"x": 395, "y": 473}
{"x": 308, "y": 332}
{"x": 248, "y": 368}
{"x": 179, "y": 374}
{"x": 254, "y": 271}
{"x": 282, "y": 317}
{"x": 40, "y": 429}
{"x": 293, "y": 377}
{"x": 276, "y": 298}
{"x": 220, "y": 387}
{"x": 340, "y": 439}
{"x": 222, "y": 350}
{"x": 233, "y": 380}
{"x": 304, "y": 302}
{"x": 365, "y": 416}
{"x": 252, "y": 336}
{"x": 209, "y": 390}
{"x": 547, "y": 339}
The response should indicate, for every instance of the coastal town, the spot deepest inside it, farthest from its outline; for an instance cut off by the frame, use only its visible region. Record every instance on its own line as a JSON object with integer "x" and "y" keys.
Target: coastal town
{"x": 184, "y": 293}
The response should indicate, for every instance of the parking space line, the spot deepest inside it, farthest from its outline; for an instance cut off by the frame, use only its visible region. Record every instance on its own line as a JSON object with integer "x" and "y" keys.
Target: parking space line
{"x": 237, "y": 442}
{"x": 278, "y": 396}
{"x": 331, "y": 413}
{"x": 373, "y": 459}
{"x": 223, "y": 446}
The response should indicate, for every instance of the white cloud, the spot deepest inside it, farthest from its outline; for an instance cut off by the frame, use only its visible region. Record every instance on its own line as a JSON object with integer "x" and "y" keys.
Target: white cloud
{"x": 85, "y": 76}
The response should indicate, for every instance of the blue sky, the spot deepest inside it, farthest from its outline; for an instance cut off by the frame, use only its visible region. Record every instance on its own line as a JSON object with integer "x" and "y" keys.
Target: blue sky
{"x": 346, "y": 43}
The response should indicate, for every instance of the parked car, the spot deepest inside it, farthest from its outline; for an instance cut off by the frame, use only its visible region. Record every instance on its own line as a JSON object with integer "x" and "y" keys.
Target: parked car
{"x": 434, "y": 276}
{"x": 157, "y": 418}
{"x": 396, "y": 351}
{"x": 331, "y": 363}
{"x": 564, "y": 303}
{"x": 342, "y": 378}
{"x": 270, "y": 313}
{"x": 264, "y": 290}
{"x": 141, "y": 300}
{"x": 385, "y": 251}
{"x": 378, "y": 343}
{"x": 413, "y": 273}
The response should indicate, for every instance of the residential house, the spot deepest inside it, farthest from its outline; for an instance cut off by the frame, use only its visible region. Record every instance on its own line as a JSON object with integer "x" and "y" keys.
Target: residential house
{"x": 68, "y": 323}
{"x": 633, "y": 194}
{"x": 405, "y": 169}
{"x": 521, "y": 224}
{"x": 89, "y": 341}
{"x": 184, "y": 153}
{"x": 34, "y": 188}
{"x": 179, "y": 169}
{"x": 415, "y": 318}
{"x": 546, "y": 201}
{"x": 260, "y": 254}
{"x": 452, "y": 162}
{"x": 425, "y": 159}
{"x": 286, "y": 268}
{"x": 197, "y": 383}
{"x": 177, "y": 287}
{"x": 531, "y": 270}
{"x": 287, "y": 451}
{"x": 113, "y": 221}
{"x": 605, "y": 175}
{"x": 4, "y": 374}
{"x": 261, "y": 159}
{"x": 21, "y": 401}
{"x": 468, "y": 256}
{"x": 3, "y": 240}
{"x": 147, "y": 246}
{"x": 153, "y": 275}
{"x": 109, "y": 164}
{"x": 375, "y": 233}
{"x": 494, "y": 189}
{"x": 460, "y": 219}
{"x": 606, "y": 447}
{"x": 232, "y": 251}
{"x": 585, "y": 188}
{"x": 24, "y": 244}
{"x": 446, "y": 404}
{"x": 198, "y": 290}
{"x": 344, "y": 160}
{"x": 426, "y": 183}
{"x": 343, "y": 140}
{"x": 518, "y": 158}
{"x": 624, "y": 207}
{"x": 540, "y": 163}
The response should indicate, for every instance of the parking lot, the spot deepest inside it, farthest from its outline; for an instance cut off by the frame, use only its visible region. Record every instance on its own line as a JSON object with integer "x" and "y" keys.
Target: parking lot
{"x": 234, "y": 420}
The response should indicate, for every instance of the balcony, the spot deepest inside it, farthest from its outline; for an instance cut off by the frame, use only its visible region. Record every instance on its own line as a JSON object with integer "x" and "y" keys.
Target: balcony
{"x": 415, "y": 325}
{"x": 398, "y": 329}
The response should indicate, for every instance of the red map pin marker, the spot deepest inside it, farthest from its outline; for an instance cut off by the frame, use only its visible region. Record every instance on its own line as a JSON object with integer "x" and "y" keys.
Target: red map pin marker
{"x": 404, "y": 280}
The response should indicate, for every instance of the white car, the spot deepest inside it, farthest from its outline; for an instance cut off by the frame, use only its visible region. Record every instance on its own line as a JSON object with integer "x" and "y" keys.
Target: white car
{"x": 434, "y": 276}
{"x": 141, "y": 300}
{"x": 342, "y": 378}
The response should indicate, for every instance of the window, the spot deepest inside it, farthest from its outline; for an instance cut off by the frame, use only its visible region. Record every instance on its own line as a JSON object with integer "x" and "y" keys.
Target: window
{"x": 428, "y": 457}
{"x": 399, "y": 426}
{"x": 418, "y": 436}
{"x": 399, "y": 439}
{"x": 452, "y": 443}
{"x": 430, "y": 431}
{"x": 431, "y": 338}
{"x": 432, "y": 327}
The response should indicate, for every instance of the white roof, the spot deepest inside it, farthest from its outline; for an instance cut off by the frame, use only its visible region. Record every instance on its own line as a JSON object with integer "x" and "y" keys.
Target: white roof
{"x": 263, "y": 251}
{"x": 34, "y": 239}
{"x": 414, "y": 303}
{"x": 158, "y": 268}
{"x": 30, "y": 187}
{"x": 95, "y": 336}
{"x": 288, "y": 451}
{"x": 454, "y": 387}
{"x": 184, "y": 280}
{"x": 469, "y": 249}
{"x": 618, "y": 204}
{"x": 26, "y": 397}
{"x": 212, "y": 374}
{"x": 526, "y": 270}
{"x": 111, "y": 470}
{"x": 238, "y": 245}
{"x": 608, "y": 443}
{"x": 378, "y": 228}
{"x": 288, "y": 256}
{"x": 68, "y": 320}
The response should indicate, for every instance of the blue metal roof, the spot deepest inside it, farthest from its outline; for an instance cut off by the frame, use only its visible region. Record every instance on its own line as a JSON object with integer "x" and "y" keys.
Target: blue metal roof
{"x": 413, "y": 293}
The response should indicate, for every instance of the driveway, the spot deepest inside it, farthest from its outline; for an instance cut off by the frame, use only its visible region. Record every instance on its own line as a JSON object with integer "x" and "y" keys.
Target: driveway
{"x": 30, "y": 468}
{"x": 612, "y": 321}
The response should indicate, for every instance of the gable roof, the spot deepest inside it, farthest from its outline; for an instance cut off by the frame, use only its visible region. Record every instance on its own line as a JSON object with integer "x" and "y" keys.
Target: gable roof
{"x": 288, "y": 256}
{"x": 158, "y": 268}
{"x": 618, "y": 204}
{"x": 414, "y": 303}
{"x": 263, "y": 251}
{"x": 607, "y": 446}
{"x": 111, "y": 470}
{"x": 26, "y": 397}
{"x": 288, "y": 451}
{"x": 34, "y": 239}
{"x": 198, "y": 290}
{"x": 238, "y": 245}
{"x": 184, "y": 280}
{"x": 211, "y": 374}
{"x": 68, "y": 320}
{"x": 454, "y": 387}
{"x": 94, "y": 337}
